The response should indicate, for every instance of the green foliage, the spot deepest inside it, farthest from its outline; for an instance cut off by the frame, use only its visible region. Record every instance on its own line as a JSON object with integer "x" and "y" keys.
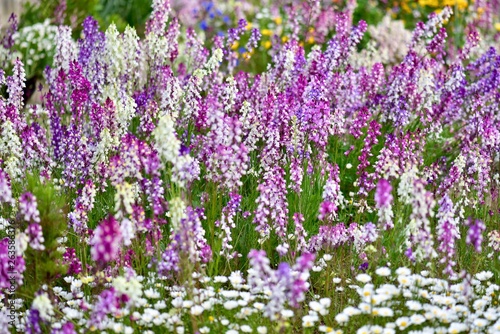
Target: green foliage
{"x": 44, "y": 266}
{"x": 121, "y": 12}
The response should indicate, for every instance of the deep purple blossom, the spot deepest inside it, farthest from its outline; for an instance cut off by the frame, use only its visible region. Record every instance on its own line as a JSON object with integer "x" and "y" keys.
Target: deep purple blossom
{"x": 67, "y": 328}
{"x": 72, "y": 261}
{"x": 475, "y": 233}
{"x": 33, "y": 325}
{"x": 12, "y": 268}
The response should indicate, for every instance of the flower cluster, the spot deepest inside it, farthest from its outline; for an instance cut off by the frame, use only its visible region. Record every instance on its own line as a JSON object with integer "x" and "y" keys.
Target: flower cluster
{"x": 256, "y": 170}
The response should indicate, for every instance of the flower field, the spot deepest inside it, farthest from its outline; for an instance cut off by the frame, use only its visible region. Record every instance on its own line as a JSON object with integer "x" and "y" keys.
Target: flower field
{"x": 252, "y": 167}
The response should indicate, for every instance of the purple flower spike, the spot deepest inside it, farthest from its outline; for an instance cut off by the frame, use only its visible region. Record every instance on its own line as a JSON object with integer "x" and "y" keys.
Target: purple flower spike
{"x": 71, "y": 260}
{"x": 28, "y": 208}
{"x": 383, "y": 196}
{"x": 108, "y": 302}
{"x": 286, "y": 283}
{"x": 5, "y": 190}
{"x": 409, "y": 255}
{"x": 383, "y": 200}
{"x": 67, "y": 328}
{"x": 448, "y": 233}
{"x": 325, "y": 209}
{"x": 34, "y": 231}
{"x": 475, "y": 233}
{"x": 8, "y": 39}
{"x": 106, "y": 242}
{"x": 34, "y": 322}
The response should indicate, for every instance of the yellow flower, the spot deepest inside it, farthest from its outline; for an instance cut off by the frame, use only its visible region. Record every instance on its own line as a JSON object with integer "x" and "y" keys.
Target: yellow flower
{"x": 284, "y": 39}
{"x": 430, "y": 3}
{"x": 497, "y": 26}
{"x": 266, "y": 32}
{"x": 235, "y": 45}
{"x": 87, "y": 279}
{"x": 462, "y": 4}
{"x": 278, "y": 20}
{"x": 248, "y": 26}
{"x": 267, "y": 44}
{"x": 405, "y": 7}
{"x": 310, "y": 39}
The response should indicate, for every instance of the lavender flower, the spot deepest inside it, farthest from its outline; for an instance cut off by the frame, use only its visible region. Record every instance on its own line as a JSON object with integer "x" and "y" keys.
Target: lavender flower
{"x": 300, "y": 233}
{"x": 226, "y": 224}
{"x": 108, "y": 302}
{"x": 106, "y": 241}
{"x": 15, "y": 85}
{"x": 285, "y": 284}
{"x": 296, "y": 175}
{"x": 326, "y": 209}
{"x": 383, "y": 201}
{"x": 159, "y": 17}
{"x": 332, "y": 196}
{"x": 8, "y": 39}
{"x": 272, "y": 206}
{"x": 331, "y": 237}
{"x": 255, "y": 36}
{"x": 448, "y": 233}
{"x": 33, "y": 326}
{"x": 28, "y": 208}
{"x": 169, "y": 263}
{"x": 5, "y": 189}
{"x": 419, "y": 236}
{"x": 475, "y": 233}
{"x": 365, "y": 181}
{"x": 494, "y": 242}
{"x": 84, "y": 203}
{"x": 35, "y": 234}
{"x": 67, "y": 328}
{"x": 72, "y": 261}
{"x": 188, "y": 242}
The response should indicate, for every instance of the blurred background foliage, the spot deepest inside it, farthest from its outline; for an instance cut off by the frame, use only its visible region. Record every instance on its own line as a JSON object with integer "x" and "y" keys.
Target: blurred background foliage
{"x": 274, "y": 20}
{"x": 72, "y": 13}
